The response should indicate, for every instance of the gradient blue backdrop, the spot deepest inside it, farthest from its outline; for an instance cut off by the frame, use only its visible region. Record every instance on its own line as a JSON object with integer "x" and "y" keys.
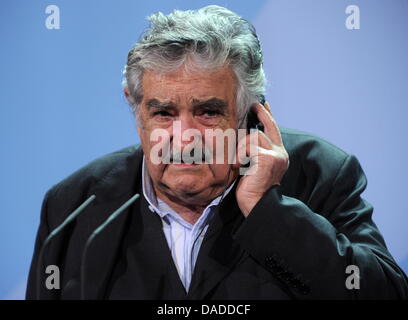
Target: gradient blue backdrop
{"x": 62, "y": 105}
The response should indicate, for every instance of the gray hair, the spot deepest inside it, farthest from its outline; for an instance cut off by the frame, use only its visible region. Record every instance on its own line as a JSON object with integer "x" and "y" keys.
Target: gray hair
{"x": 209, "y": 38}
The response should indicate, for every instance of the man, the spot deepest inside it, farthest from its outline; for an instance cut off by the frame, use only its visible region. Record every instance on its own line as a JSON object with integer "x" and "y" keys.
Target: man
{"x": 292, "y": 227}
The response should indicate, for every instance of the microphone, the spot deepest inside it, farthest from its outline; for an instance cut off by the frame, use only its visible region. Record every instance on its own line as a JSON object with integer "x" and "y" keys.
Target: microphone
{"x": 97, "y": 231}
{"x": 57, "y": 230}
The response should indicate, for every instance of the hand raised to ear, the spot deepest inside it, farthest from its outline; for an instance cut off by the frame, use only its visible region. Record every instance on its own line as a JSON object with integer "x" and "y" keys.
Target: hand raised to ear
{"x": 268, "y": 163}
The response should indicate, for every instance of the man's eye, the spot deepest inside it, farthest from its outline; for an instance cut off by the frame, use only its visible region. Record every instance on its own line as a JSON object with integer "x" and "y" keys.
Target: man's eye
{"x": 162, "y": 114}
{"x": 212, "y": 113}
{"x": 209, "y": 113}
{"x": 209, "y": 117}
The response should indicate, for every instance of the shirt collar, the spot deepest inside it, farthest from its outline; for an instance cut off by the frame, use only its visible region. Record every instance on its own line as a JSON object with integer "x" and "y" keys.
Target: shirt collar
{"x": 162, "y": 208}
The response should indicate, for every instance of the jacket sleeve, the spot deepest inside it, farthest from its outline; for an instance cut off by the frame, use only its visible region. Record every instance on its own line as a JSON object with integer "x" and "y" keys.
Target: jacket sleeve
{"x": 310, "y": 252}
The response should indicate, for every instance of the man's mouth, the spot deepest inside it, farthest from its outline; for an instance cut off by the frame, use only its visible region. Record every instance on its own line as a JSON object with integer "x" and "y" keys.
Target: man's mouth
{"x": 182, "y": 163}
{"x": 185, "y": 164}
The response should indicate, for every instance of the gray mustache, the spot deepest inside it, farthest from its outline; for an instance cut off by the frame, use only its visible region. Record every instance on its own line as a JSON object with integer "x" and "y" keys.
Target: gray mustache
{"x": 195, "y": 155}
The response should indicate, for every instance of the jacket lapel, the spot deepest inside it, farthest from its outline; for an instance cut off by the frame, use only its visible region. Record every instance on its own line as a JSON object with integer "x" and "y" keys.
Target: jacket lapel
{"x": 102, "y": 255}
{"x": 150, "y": 246}
{"x": 116, "y": 188}
{"x": 219, "y": 253}
{"x": 145, "y": 242}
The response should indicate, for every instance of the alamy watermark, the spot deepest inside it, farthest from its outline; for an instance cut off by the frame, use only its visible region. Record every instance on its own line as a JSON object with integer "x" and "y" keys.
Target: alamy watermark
{"x": 353, "y": 19}
{"x": 52, "y": 21}
{"x": 52, "y": 282}
{"x": 353, "y": 280}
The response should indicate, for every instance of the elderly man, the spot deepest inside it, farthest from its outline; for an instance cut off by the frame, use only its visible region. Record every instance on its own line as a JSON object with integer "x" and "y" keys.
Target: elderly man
{"x": 292, "y": 227}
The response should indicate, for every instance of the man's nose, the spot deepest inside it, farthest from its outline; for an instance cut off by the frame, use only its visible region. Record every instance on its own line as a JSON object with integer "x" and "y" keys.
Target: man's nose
{"x": 184, "y": 130}
{"x": 187, "y": 121}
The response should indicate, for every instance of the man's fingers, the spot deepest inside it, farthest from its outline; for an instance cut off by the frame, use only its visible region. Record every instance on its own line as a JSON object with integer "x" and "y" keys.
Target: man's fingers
{"x": 268, "y": 108}
{"x": 249, "y": 146}
{"x": 270, "y": 125}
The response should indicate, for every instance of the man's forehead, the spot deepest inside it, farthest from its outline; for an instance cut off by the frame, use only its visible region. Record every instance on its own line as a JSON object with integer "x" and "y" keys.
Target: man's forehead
{"x": 186, "y": 76}
{"x": 214, "y": 87}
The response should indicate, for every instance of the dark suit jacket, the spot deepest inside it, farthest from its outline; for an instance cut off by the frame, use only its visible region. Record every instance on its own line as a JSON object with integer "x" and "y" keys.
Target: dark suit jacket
{"x": 296, "y": 243}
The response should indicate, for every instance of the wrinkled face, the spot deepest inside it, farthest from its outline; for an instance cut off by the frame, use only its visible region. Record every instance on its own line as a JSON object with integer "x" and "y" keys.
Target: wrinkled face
{"x": 196, "y": 100}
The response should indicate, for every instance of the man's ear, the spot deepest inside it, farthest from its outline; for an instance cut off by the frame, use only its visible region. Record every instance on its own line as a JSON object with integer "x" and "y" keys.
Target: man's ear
{"x": 139, "y": 130}
{"x": 126, "y": 92}
{"x": 127, "y": 95}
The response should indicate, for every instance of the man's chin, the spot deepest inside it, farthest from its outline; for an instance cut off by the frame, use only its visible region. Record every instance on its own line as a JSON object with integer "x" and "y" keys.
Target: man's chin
{"x": 185, "y": 186}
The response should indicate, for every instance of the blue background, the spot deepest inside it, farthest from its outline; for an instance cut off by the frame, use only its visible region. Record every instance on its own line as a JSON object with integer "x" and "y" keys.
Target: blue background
{"x": 61, "y": 102}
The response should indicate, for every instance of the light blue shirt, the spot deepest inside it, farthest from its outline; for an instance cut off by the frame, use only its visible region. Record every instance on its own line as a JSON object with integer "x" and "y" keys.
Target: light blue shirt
{"x": 183, "y": 238}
